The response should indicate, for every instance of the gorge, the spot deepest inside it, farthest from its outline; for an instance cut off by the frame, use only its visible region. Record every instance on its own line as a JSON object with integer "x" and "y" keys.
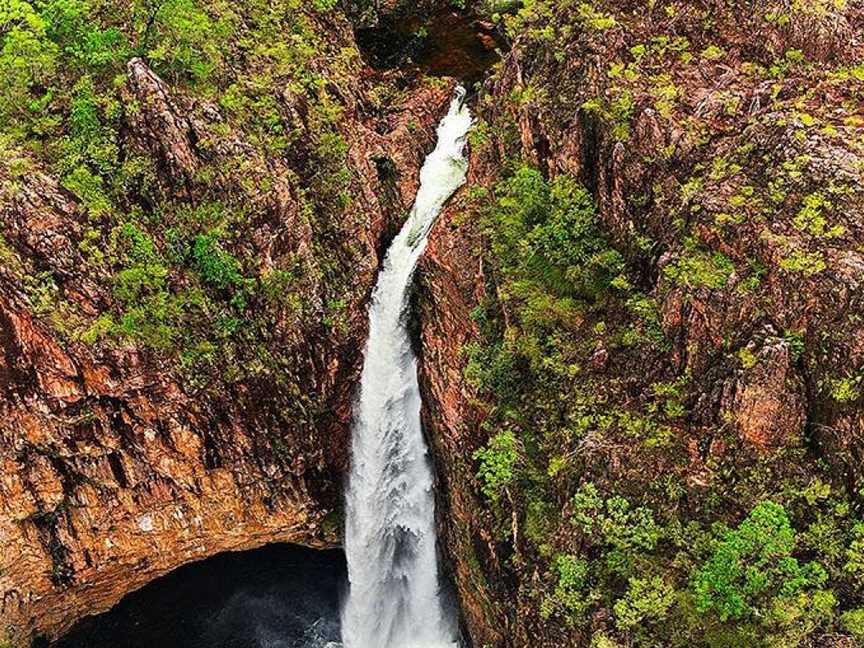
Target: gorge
{"x": 633, "y": 338}
{"x": 395, "y": 597}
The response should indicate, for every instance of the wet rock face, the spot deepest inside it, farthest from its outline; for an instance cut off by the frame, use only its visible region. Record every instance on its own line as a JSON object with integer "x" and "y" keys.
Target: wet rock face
{"x": 115, "y": 469}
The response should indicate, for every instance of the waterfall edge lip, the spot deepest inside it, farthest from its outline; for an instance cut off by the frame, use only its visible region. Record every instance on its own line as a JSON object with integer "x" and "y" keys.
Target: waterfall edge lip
{"x": 395, "y": 597}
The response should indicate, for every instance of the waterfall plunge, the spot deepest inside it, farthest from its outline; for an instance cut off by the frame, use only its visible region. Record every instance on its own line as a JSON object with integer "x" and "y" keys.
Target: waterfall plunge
{"x": 394, "y": 598}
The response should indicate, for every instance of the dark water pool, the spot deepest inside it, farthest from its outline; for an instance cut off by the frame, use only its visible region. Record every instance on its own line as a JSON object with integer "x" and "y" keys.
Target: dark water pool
{"x": 281, "y": 596}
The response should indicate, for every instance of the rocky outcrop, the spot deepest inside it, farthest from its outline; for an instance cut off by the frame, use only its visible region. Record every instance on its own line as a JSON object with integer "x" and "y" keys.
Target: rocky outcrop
{"x": 158, "y": 126}
{"x": 769, "y": 405}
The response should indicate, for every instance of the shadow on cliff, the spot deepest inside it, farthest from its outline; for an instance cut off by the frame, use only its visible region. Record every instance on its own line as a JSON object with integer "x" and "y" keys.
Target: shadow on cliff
{"x": 447, "y": 43}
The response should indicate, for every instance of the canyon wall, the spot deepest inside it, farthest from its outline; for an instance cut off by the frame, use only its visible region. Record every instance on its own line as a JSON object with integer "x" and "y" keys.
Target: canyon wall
{"x": 725, "y": 336}
{"x": 182, "y": 334}
{"x": 117, "y": 464}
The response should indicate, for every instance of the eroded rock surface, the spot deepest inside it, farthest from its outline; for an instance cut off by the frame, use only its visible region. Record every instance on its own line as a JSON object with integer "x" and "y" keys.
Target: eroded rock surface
{"x": 718, "y": 199}
{"x": 116, "y": 467}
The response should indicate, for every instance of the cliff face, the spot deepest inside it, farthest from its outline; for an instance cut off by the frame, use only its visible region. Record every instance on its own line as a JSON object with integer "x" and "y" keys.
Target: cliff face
{"x": 119, "y": 462}
{"x": 714, "y": 366}
{"x": 620, "y": 384}
{"x": 451, "y": 284}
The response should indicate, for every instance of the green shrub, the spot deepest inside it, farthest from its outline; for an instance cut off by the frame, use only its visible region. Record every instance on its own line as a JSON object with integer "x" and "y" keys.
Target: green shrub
{"x": 217, "y": 267}
{"x": 751, "y": 566}
{"x": 180, "y": 38}
{"x": 571, "y": 596}
{"x": 854, "y": 563}
{"x": 853, "y": 622}
{"x": 497, "y": 464}
{"x": 807, "y": 263}
{"x": 699, "y": 268}
{"x": 647, "y": 601}
{"x": 624, "y": 533}
{"x": 28, "y": 61}
{"x": 547, "y": 239}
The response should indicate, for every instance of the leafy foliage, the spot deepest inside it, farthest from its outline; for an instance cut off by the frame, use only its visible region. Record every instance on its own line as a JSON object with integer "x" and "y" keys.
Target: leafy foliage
{"x": 571, "y": 593}
{"x": 546, "y": 237}
{"x": 624, "y": 531}
{"x": 497, "y": 463}
{"x": 647, "y": 601}
{"x": 752, "y": 563}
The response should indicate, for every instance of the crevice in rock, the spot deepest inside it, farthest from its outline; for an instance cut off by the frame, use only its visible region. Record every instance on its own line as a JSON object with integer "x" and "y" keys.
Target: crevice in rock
{"x": 391, "y": 203}
{"x": 590, "y": 152}
{"x": 117, "y": 469}
{"x": 13, "y": 378}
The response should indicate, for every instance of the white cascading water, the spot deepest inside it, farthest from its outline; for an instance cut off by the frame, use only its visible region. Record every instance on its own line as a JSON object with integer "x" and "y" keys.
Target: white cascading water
{"x": 394, "y": 598}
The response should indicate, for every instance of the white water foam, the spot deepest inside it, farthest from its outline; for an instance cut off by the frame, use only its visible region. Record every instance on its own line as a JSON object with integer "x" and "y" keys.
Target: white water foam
{"x": 394, "y": 598}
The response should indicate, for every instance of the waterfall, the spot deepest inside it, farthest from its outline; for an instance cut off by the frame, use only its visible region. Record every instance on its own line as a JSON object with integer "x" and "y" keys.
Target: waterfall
{"x": 394, "y": 598}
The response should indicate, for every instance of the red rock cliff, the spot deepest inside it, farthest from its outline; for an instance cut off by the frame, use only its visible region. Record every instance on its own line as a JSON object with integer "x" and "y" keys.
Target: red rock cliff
{"x": 754, "y": 397}
{"x": 115, "y": 468}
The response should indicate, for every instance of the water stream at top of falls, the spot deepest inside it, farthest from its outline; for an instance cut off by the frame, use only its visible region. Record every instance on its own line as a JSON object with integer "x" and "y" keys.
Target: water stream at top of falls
{"x": 394, "y": 597}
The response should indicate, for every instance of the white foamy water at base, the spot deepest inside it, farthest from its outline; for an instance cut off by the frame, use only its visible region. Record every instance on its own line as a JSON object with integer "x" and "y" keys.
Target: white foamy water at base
{"x": 395, "y": 598}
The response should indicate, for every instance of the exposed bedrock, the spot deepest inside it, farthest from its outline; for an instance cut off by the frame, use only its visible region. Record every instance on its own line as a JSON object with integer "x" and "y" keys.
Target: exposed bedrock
{"x": 115, "y": 469}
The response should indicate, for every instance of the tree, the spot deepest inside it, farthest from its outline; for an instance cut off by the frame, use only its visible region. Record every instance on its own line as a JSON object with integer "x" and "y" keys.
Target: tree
{"x": 752, "y": 566}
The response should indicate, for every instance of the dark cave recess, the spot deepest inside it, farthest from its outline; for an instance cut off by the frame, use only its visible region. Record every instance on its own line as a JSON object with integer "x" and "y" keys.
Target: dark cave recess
{"x": 279, "y": 596}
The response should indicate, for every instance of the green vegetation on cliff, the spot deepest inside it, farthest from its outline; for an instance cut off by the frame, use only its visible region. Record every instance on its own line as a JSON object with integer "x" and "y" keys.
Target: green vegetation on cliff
{"x": 671, "y": 410}
{"x": 663, "y": 558}
{"x": 175, "y": 246}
